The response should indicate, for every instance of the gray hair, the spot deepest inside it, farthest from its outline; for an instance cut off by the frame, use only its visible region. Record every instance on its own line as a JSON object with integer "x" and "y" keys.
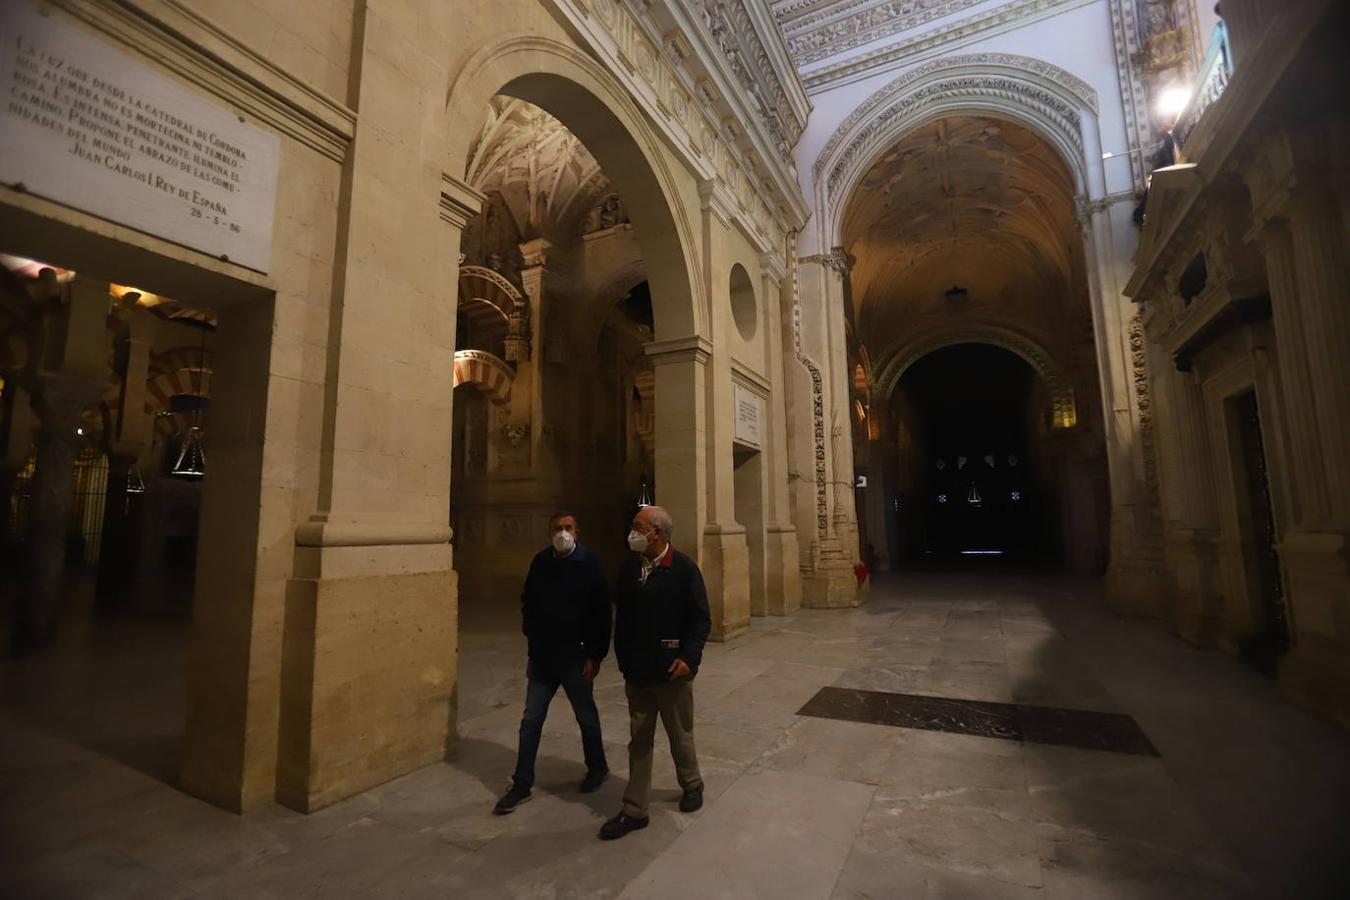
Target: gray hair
{"x": 662, "y": 520}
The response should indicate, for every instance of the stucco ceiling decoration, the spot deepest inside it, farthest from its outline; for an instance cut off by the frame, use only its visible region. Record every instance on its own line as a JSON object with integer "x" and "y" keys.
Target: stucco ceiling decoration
{"x": 977, "y": 201}
{"x": 982, "y": 24}
{"x": 845, "y": 26}
{"x": 546, "y": 176}
{"x": 1022, "y": 66}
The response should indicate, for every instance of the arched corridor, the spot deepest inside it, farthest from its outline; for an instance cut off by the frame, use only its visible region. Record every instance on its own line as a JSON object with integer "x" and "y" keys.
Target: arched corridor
{"x": 968, "y": 288}
{"x": 948, "y": 397}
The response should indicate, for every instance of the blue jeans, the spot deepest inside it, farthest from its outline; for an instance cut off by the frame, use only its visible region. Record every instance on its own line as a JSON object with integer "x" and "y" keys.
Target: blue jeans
{"x": 543, "y": 685}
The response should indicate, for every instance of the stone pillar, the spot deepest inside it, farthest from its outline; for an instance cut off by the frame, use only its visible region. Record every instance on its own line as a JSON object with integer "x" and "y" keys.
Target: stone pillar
{"x": 725, "y": 558}
{"x": 681, "y": 368}
{"x": 530, "y": 380}
{"x": 1324, "y": 304}
{"x": 60, "y": 407}
{"x": 133, "y": 433}
{"x": 17, "y": 420}
{"x": 1299, "y": 223}
{"x": 1187, "y": 453}
{"x": 828, "y": 578}
{"x": 69, "y": 377}
{"x": 1309, "y": 500}
{"x": 1136, "y": 574}
{"x": 783, "y": 585}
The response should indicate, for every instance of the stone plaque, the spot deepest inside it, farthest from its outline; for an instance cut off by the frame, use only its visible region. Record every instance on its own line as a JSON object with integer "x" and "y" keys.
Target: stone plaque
{"x": 88, "y": 126}
{"x": 749, "y": 413}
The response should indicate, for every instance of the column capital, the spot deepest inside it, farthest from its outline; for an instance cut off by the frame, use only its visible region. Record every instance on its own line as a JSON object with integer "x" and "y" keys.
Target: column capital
{"x": 534, "y": 253}
{"x": 459, "y": 201}
{"x": 694, "y": 348}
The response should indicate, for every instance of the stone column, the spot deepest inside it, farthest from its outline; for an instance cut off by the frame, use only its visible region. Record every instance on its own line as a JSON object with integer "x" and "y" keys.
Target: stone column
{"x": 68, "y": 379}
{"x": 681, "y": 368}
{"x": 60, "y": 407}
{"x": 1136, "y": 575}
{"x": 783, "y": 586}
{"x": 529, "y": 380}
{"x": 1324, "y": 303}
{"x": 133, "y": 432}
{"x": 17, "y": 419}
{"x": 1186, "y": 451}
{"x": 725, "y": 557}
{"x": 1309, "y": 500}
{"x": 828, "y": 580}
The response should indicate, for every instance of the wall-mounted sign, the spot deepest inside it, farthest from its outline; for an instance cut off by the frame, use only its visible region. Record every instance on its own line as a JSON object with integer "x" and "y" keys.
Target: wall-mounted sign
{"x": 749, "y": 414}
{"x": 86, "y": 125}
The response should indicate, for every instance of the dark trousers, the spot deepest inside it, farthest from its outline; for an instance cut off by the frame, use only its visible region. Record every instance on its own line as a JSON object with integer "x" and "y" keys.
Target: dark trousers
{"x": 538, "y": 695}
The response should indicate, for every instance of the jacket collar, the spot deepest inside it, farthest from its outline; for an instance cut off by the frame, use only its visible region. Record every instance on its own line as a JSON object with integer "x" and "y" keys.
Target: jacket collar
{"x": 578, "y": 554}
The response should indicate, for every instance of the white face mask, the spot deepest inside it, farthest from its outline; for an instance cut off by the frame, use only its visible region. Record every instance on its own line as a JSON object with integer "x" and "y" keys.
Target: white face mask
{"x": 564, "y": 542}
{"x": 637, "y": 541}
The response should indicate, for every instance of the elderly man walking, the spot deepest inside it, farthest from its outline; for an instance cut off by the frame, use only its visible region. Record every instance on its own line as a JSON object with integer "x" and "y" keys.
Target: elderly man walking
{"x": 565, "y": 617}
{"x": 661, "y": 627}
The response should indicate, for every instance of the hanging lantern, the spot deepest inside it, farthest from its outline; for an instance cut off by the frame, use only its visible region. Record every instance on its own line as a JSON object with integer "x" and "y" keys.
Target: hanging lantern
{"x": 973, "y": 498}
{"x": 191, "y": 456}
{"x": 135, "y": 483}
{"x": 191, "y": 462}
{"x": 644, "y": 500}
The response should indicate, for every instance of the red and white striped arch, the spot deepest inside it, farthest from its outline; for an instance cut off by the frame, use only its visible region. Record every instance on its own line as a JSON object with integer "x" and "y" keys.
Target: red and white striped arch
{"x": 486, "y": 372}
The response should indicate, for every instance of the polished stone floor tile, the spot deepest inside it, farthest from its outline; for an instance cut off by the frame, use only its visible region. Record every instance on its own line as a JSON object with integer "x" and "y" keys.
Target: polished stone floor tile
{"x": 1247, "y": 798}
{"x": 773, "y": 835}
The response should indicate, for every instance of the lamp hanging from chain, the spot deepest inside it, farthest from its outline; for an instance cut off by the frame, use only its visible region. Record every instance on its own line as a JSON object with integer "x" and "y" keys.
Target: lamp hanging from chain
{"x": 644, "y": 499}
{"x": 191, "y": 462}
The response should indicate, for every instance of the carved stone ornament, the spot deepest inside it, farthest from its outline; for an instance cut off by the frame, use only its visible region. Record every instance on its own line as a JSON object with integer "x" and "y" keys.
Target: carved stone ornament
{"x": 516, "y": 434}
{"x": 1010, "y": 90}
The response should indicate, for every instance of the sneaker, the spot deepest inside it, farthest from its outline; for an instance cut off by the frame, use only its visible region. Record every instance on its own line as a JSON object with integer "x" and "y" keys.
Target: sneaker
{"x": 692, "y": 799}
{"x": 620, "y": 825}
{"x": 593, "y": 780}
{"x": 510, "y": 800}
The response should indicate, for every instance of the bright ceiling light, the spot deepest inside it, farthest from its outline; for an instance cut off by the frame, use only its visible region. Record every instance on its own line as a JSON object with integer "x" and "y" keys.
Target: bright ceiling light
{"x": 1172, "y": 101}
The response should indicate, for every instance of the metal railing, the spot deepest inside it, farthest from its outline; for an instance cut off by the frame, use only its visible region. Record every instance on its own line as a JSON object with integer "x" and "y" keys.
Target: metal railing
{"x": 1215, "y": 73}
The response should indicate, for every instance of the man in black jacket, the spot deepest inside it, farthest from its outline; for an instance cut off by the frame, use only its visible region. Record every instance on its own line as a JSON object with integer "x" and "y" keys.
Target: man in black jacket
{"x": 565, "y": 613}
{"x": 662, "y": 625}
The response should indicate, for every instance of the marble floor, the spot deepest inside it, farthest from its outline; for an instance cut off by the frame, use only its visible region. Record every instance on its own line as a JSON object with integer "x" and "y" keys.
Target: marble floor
{"x": 1246, "y": 797}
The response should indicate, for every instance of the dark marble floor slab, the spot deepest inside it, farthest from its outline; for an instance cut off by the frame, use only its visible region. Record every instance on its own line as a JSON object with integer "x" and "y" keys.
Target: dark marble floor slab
{"x": 1113, "y": 732}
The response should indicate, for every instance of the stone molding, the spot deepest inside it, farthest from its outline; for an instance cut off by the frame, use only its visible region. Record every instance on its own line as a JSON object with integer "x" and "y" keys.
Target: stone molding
{"x": 1072, "y": 84}
{"x": 210, "y": 60}
{"x": 820, "y": 476}
{"x": 672, "y": 64}
{"x": 896, "y": 362}
{"x": 460, "y": 202}
{"x": 1003, "y": 18}
{"x": 321, "y": 531}
{"x": 1025, "y": 95}
{"x": 829, "y": 34}
{"x": 677, "y": 350}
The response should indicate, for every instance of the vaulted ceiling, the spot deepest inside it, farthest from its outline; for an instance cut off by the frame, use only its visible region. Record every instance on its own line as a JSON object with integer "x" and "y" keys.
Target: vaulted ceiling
{"x": 973, "y": 202}
{"x": 546, "y": 176}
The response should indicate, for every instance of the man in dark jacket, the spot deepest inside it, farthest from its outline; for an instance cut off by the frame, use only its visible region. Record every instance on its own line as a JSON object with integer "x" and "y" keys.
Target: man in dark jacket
{"x": 662, "y": 625}
{"x": 565, "y": 617}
